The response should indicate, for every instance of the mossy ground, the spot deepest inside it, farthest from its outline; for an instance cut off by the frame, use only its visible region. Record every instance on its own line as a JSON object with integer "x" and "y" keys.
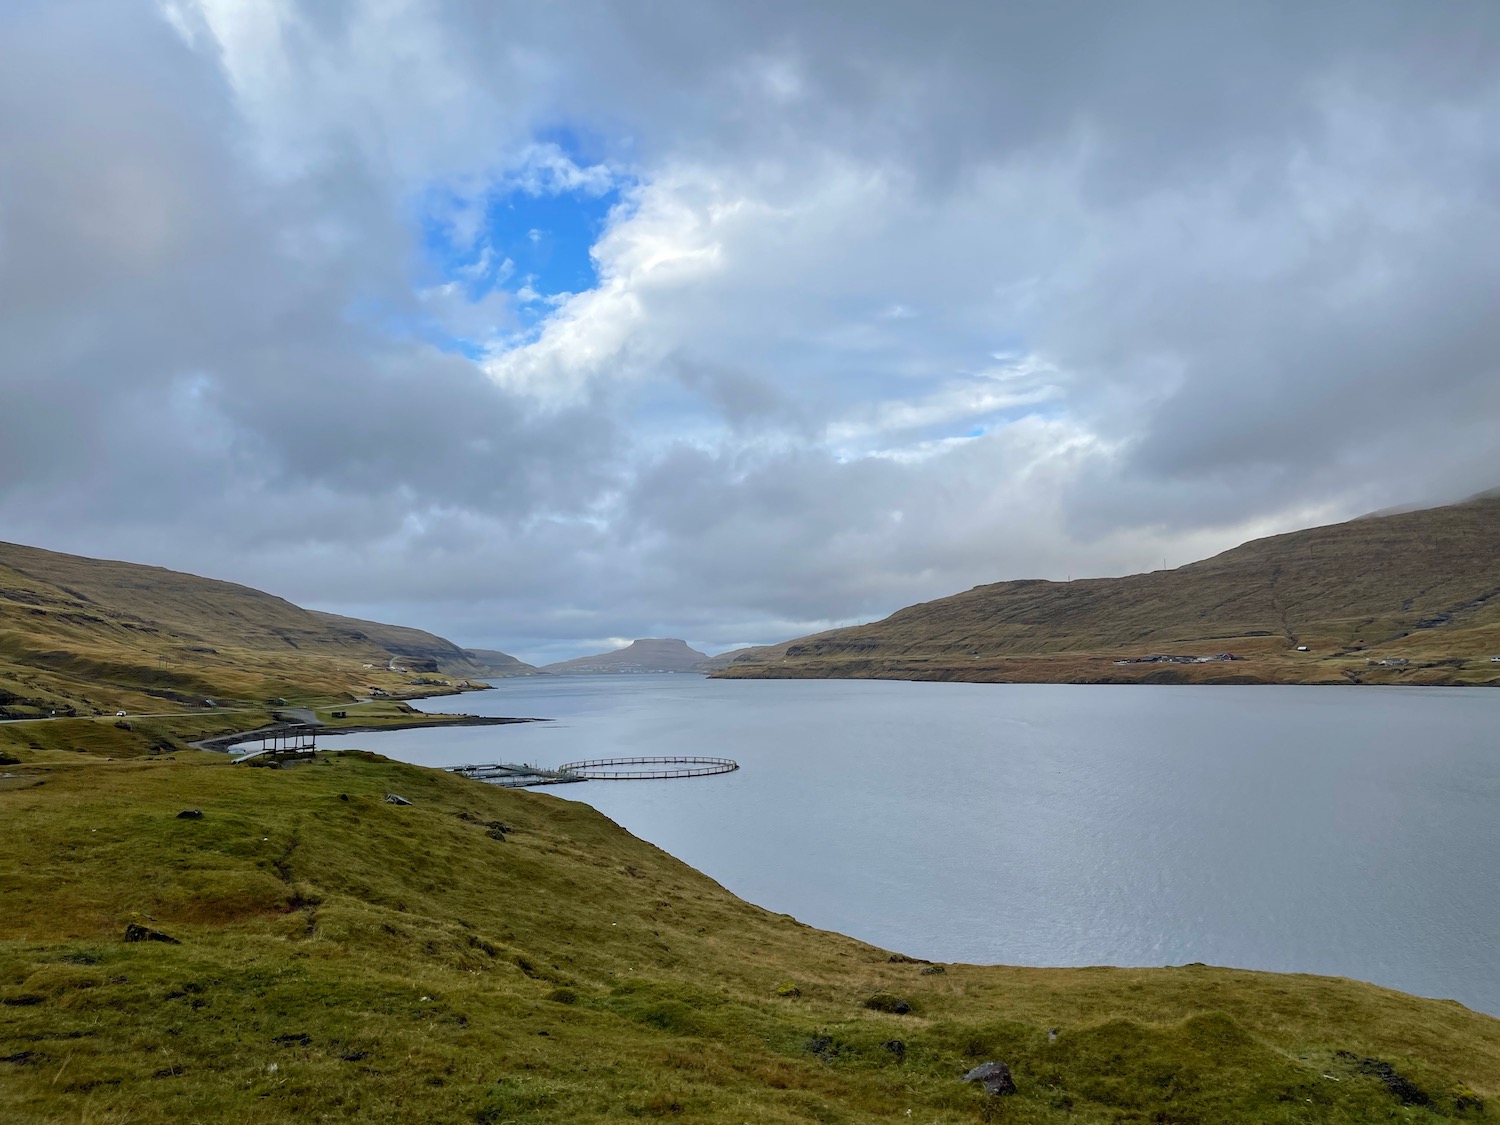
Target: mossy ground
{"x": 486, "y": 955}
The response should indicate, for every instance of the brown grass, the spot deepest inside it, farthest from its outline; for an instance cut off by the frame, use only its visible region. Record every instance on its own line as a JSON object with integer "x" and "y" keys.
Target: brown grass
{"x": 1420, "y": 586}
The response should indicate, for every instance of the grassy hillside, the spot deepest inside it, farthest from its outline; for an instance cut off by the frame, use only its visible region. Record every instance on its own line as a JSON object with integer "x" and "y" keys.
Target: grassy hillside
{"x": 489, "y": 956}
{"x": 1415, "y": 586}
{"x": 85, "y": 636}
{"x": 493, "y": 664}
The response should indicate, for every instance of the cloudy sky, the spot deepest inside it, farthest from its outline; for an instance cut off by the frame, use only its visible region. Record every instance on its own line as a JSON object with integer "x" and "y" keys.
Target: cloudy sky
{"x": 543, "y": 324}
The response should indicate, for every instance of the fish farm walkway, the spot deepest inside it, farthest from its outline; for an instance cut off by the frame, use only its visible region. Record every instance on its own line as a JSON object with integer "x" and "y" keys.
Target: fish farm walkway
{"x": 513, "y": 775}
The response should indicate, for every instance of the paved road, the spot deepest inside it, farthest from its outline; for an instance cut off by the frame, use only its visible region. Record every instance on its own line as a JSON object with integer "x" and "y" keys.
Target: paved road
{"x": 298, "y": 711}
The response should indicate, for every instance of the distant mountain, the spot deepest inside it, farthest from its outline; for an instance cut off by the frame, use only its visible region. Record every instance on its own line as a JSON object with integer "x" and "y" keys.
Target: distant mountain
{"x": 652, "y": 654}
{"x": 1411, "y": 597}
{"x": 411, "y": 650}
{"x": 414, "y": 650}
{"x": 495, "y": 665}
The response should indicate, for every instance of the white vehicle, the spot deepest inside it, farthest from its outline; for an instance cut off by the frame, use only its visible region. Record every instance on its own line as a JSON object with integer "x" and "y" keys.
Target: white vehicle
{"x": 119, "y": 714}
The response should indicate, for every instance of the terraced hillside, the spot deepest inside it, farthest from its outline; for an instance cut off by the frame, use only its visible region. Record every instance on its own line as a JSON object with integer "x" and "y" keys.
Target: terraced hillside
{"x": 86, "y": 636}
{"x": 1417, "y": 590}
{"x": 485, "y": 956}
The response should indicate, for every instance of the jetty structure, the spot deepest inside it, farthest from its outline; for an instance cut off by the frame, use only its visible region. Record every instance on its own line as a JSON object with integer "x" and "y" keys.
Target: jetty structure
{"x": 513, "y": 775}
{"x": 288, "y": 741}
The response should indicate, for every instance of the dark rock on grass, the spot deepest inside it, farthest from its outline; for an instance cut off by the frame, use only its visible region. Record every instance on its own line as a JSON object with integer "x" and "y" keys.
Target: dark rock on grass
{"x": 355, "y": 1056}
{"x": 136, "y": 932}
{"x": 190, "y": 814}
{"x": 994, "y": 1076}
{"x": 824, "y": 1047}
{"x": 396, "y": 799}
{"x": 1401, "y": 1087}
{"x": 300, "y": 1039}
{"x": 896, "y": 1047}
{"x": 886, "y": 1002}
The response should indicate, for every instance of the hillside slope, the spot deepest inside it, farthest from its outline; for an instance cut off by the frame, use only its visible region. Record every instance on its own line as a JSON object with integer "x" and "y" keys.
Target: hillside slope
{"x": 87, "y": 636}
{"x": 1419, "y": 587}
{"x": 492, "y": 663}
{"x": 486, "y": 955}
{"x": 419, "y": 651}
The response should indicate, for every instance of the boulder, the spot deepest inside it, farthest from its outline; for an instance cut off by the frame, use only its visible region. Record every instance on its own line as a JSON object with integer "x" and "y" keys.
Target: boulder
{"x": 190, "y": 814}
{"x": 137, "y": 932}
{"x": 885, "y": 1002}
{"x": 994, "y": 1076}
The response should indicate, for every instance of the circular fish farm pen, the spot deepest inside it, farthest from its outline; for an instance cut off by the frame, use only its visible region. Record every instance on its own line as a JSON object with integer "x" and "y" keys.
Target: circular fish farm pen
{"x": 646, "y": 769}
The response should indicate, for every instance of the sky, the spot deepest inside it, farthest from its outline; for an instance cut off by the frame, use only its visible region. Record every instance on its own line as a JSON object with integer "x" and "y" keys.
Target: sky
{"x": 548, "y": 325}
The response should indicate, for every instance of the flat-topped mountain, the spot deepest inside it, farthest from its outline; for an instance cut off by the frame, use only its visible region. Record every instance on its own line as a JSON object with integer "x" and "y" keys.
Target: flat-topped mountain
{"x": 1402, "y": 597}
{"x": 650, "y": 654}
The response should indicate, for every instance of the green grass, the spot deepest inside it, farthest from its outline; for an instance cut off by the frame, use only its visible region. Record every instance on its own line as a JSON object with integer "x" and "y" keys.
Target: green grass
{"x": 488, "y": 956}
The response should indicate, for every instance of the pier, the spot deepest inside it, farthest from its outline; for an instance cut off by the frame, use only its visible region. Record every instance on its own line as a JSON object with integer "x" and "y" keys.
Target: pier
{"x": 290, "y": 741}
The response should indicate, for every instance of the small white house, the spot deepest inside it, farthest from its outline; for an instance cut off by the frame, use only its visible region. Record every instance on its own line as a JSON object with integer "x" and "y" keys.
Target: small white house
{"x": 1301, "y": 648}
{"x": 1495, "y": 660}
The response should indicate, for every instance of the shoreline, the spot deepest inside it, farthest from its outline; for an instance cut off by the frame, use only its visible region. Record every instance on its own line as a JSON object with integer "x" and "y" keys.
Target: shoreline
{"x": 222, "y": 743}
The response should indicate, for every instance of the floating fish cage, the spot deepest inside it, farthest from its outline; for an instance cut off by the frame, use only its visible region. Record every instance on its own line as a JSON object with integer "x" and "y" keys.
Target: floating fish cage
{"x": 646, "y": 769}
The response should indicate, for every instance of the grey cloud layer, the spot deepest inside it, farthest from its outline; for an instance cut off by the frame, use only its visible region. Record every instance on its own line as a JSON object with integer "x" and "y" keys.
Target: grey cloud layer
{"x": 901, "y": 299}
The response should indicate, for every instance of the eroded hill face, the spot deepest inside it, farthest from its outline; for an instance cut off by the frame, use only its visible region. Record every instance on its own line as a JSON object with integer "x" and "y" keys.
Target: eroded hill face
{"x": 87, "y": 636}
{"x": 1417, "y": 590}
{"x": 488, "y": 955}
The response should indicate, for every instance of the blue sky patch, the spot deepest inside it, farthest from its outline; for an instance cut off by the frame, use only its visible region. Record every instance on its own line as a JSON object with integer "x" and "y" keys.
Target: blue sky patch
{"x": 528, "y": 237}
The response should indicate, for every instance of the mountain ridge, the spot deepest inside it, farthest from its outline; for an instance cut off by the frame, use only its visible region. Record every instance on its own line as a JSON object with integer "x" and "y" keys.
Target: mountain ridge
{"x": 1405, "y": 597}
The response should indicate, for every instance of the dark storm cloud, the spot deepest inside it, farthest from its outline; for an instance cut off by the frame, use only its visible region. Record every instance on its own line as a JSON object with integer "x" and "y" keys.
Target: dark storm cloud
{"x": 898, "y": 298}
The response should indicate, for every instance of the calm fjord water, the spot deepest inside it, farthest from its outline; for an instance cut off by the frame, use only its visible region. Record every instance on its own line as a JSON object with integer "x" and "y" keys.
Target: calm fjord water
{"x": 1348, "y": 831}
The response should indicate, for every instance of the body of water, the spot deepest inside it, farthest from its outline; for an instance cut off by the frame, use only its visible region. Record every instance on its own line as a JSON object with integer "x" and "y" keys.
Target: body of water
{"x": 1346, "y": 831}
